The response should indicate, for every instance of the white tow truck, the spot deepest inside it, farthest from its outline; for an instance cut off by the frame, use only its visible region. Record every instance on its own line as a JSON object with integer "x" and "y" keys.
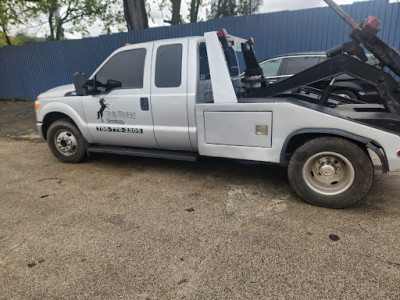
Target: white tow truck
{"x": 183, "y": 98}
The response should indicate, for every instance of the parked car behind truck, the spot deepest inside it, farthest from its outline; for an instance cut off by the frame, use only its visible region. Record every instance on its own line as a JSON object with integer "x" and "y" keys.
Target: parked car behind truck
{"x": 284, "y": 66}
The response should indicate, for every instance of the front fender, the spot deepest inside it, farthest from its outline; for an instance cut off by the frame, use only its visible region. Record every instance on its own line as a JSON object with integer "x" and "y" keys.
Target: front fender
{"x": 74, "y": 111}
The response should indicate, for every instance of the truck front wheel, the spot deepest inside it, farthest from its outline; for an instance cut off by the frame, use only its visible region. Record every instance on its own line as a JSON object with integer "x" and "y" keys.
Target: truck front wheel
{"x": 66, "y": 142}
{"x": 330, "y": 172}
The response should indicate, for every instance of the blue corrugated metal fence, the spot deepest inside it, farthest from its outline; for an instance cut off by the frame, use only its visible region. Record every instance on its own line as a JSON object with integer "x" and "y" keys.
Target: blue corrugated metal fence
{"x": 26, "y": 71}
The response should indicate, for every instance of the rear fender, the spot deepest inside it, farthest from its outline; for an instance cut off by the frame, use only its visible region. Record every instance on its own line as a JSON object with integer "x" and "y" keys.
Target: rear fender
{"x": 306, "y": 134}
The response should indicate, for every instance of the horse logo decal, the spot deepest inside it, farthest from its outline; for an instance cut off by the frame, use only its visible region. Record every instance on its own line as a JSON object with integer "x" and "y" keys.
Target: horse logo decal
{"x": 103, "y": 106}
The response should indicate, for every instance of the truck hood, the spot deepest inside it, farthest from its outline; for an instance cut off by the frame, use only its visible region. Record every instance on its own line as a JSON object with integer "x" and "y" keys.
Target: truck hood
{"x": 59, "y": 91}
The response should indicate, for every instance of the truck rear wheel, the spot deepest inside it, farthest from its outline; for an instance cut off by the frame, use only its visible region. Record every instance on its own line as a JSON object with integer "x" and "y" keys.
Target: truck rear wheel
{"x": 66, "y": 142}
{"x": 330, "y": 172}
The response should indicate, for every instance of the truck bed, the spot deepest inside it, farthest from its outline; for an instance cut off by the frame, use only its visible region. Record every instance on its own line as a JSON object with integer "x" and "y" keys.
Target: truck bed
{"x": 373, "y": 115}
{"x": 260, "y": 128}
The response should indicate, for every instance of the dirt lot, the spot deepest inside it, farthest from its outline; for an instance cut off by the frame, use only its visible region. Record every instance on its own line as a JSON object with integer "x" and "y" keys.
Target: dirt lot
{"x": 119, "y": 227}
{"x": 17, "y": 120}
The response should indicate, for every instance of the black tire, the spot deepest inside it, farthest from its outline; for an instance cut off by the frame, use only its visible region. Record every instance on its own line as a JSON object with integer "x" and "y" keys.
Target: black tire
{"x": 346, "y": 94}
{"x": 330, "y": 172}
{"x": 66, "y": 142}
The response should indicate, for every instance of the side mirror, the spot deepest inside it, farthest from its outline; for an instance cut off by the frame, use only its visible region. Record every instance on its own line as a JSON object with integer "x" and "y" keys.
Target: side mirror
{"x": 112, "y": 84}
{"x": 80, "y": 83}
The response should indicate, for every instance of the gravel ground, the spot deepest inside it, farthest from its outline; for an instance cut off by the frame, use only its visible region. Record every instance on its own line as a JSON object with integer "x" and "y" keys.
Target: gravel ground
{"x": 119, "y": 227}
{"x": 17, "y": 120}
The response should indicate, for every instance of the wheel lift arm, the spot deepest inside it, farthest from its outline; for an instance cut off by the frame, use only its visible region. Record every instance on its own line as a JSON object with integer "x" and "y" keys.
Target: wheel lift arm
{"x": 340, "y": 64}
{"x": 365, "y": 33}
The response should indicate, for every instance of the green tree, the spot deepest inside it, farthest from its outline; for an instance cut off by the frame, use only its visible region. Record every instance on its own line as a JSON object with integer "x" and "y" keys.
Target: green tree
{"x": 231, "y": 8}
{"x": 79, "y": 15}
{"x": 22, "y": 38}
{"x": 12, "y": 12}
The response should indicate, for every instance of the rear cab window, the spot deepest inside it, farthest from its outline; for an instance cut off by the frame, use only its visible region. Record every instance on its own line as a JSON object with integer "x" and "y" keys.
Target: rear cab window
{"x": 168, "y": 71}
{"x": 205, "y": 87}
{"x": 204, "y": 66}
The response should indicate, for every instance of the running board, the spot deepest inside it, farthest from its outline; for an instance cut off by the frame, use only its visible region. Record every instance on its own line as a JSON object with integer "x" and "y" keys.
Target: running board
{"x": 143, "y": 152}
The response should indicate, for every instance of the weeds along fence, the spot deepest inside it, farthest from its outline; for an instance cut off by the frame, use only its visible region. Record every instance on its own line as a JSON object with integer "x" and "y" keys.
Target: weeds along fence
{"x": 28, "y": 70}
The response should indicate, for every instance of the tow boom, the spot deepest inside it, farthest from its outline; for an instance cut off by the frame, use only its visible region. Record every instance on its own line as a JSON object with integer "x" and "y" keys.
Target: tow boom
{"x": 365, "y": 33}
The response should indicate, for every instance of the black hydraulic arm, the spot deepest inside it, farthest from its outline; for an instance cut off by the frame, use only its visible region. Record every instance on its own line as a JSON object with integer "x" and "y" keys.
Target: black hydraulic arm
{"x": 252, "y": 65}
{"x": 365, "y": 33}
{"x": 342, "y": 13}
{"x": 340, "y": 64}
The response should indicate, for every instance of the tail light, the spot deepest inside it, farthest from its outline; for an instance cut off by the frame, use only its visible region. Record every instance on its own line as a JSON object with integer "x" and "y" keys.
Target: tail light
{"x": 222, "y": 33}
{"x": 373, "y": 22}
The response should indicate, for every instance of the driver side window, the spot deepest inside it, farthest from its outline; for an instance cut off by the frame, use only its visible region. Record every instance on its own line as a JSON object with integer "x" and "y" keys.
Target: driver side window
{"x": 124, "y": 68}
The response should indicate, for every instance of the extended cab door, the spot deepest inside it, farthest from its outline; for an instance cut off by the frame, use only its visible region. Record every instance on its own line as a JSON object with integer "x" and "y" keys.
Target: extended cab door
{"x": 169, "y": 94}
{"x": 120, "y": 112}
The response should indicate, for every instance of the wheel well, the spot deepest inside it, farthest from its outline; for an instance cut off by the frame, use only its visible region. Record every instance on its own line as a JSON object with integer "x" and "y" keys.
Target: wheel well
{"x": 300, "y": 139}
{"x": 51, "y": 118}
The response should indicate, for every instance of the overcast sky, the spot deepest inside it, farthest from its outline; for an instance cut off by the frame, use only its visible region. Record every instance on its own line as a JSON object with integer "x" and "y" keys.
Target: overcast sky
{"x": 268, "y": 6}
{"x": 277, "y": 5}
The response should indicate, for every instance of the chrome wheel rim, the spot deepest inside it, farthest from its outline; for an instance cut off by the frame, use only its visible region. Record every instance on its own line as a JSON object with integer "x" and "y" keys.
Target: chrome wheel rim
{"x": 66, "y": 142}
{"x": 328, "y": 173}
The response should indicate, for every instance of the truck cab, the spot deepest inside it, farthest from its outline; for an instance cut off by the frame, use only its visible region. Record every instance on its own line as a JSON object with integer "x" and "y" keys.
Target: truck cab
{"x": 149, "y": 101}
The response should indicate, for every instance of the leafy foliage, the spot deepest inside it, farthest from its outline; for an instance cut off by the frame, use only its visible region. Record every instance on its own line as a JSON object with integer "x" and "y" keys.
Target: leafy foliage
{"x": 12, "y": 13}
{"x": 79, "y": 15}
{"x": 22, "y": 38}
{"x": 71, "y": 16}
{"x": 231, "y": 8}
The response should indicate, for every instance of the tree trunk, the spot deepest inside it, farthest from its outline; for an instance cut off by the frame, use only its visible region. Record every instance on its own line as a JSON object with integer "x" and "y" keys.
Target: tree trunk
{"x": 59, "y": 25}
{"x": 176, "y": 12}
{"x": 8, "y": 40}
{"x": 54, "y": 16}
{"x": 59, "y": 31}
{"x": 135, "y": 14}
{"x": 51, "y": 26}
{"x": 219, "y": 9}
{"x": 194, "y": 10}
